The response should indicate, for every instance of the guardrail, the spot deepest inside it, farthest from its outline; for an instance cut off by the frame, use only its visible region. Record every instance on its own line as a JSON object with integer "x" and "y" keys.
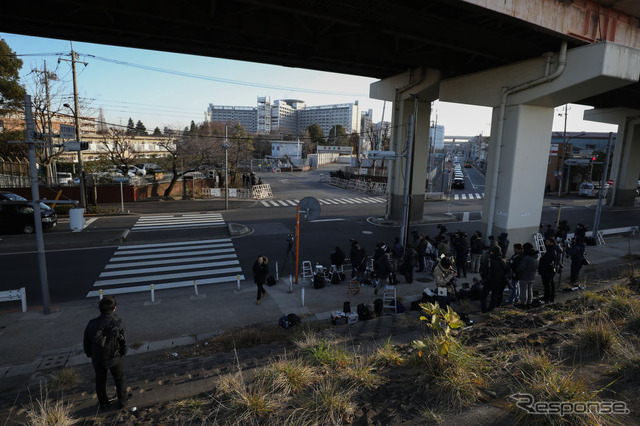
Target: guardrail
{"x": 360, "y": 185}
{"x": 13, "y": 295}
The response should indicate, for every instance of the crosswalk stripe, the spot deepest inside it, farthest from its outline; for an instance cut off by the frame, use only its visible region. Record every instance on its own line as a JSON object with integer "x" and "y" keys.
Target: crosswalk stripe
{"x": 274, "y": 203}
{"x": 149, "y": 223}
{"x": 325, "y": 201}
{"x": 168, "y": 268}
{"x": 465, "y": 217}
{"x": 292, "y": 203}
{"x": 348, "y": 201}
{"x": 264, "y": 203}
{"x": 339, "y": 201}
{"x": 464, "y": 196}
{"x": 165, "y": 261}
{"x": 151, "y": 278}
{"x": 186, "y": 249}
{"x": 175, "y": 244}
{"x": 456, "y": 197}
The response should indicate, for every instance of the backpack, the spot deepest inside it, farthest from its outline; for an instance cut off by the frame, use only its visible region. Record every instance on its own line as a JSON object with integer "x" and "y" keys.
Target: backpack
{"x": 377, "y": 307}
{"x": 106, "y": 342}
{"x": 284, "y": 322}
{"x": 319, "y": 281}
{"x": 364, "y": 313}
{"x": 271, "y": 280}
{"x": 293, "y": 320}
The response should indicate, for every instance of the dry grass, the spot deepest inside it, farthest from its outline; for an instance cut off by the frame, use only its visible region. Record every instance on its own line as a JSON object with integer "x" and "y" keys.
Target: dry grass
{"x": 361, "y": 373}
{"x": 287, "y": 377}
{"x": 47, "y": 412}
{"x": 387, "y": 355}
{"x": 251, "y": 404}
{"x": 621, "y": 303}
{"x": 191, "y": 409}
{"x": 597, "y": 336}
{"x": 330, "y": 403}
{"x": 64, "y": 379}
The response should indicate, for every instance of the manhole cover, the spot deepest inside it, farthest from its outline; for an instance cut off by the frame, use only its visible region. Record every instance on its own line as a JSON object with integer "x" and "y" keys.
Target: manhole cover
{"x": 53, "y": 361}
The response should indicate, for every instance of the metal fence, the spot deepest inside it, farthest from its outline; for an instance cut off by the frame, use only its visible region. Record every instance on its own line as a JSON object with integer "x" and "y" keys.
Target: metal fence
{"x": 257, "y": 192}
{"x": 360, "y": 185}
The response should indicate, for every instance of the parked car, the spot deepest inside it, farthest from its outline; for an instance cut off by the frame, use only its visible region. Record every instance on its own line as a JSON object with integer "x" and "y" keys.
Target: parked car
{"x": 468, "y": 164}
{"x": 64, "y": 178}
{"x": 136, "y": 171}
{"x": 591, "y": 189}
{"x": 15, "y": 216}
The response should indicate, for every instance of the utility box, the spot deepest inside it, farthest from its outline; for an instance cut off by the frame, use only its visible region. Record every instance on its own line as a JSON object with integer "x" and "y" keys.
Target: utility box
{"x": 76, "y": 219}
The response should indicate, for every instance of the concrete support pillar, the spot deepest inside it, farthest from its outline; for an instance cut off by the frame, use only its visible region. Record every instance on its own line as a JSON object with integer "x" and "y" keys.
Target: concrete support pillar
{"x": 626, "y": 163}
{"x": 401, "y": 113}
{"x": 625, "y": 166}
{"x": 519, "y": 191}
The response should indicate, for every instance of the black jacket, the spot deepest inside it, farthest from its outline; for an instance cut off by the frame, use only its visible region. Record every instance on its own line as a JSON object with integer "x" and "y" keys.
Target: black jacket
{"x": 260, "y": 272}
{"x": 100, "y": 322}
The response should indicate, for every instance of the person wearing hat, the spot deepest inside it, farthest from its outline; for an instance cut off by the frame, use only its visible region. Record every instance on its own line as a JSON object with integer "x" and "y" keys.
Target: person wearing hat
{"x": 444, "y": 276}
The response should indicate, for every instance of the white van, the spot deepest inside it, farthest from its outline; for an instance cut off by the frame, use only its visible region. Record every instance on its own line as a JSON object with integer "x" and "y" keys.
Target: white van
{"x": 591, "y": 189}
{"x": 64, "y": 178}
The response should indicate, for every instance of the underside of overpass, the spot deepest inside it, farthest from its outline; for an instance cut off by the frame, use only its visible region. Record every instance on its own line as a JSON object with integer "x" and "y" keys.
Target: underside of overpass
{"x": 412, "y": 45}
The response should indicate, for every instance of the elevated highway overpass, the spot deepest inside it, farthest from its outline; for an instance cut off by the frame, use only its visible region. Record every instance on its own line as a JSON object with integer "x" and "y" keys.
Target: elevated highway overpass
{"x": 522, "y": 58}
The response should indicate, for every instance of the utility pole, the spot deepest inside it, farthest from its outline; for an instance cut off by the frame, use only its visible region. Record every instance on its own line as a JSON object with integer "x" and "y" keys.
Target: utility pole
{"x": 564, "y": 147}
{"x": 76, "y": 113}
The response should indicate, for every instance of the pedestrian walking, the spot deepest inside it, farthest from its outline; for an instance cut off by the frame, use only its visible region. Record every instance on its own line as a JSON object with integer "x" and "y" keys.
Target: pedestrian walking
{"x": 105, "y": 342}
{"x": 260, "y": 272}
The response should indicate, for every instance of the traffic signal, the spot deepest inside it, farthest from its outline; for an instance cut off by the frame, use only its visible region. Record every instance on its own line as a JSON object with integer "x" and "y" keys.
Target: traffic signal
{"x": 594, "y": 158}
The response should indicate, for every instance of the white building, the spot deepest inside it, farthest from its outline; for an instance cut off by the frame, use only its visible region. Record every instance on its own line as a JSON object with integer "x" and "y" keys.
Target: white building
{"x": 289, "y": 115}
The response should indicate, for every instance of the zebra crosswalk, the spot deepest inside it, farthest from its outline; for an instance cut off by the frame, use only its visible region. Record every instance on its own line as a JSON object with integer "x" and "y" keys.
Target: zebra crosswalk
{"x": 134, "y": 268}
{"x": 326, "y": 201}
{"x": 470, "y": 196}
{"x": 187, "y": 220}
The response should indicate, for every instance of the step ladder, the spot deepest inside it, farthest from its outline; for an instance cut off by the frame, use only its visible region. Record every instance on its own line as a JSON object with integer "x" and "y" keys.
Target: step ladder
{"x": 307, "y": 270}
{"x": 389, "y": 298}
{"x": 600, "y": 238}
{"x": 539, "y": 240}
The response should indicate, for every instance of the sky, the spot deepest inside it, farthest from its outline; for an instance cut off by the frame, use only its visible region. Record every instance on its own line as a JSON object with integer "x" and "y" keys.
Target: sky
{"x": 168, "y": 89}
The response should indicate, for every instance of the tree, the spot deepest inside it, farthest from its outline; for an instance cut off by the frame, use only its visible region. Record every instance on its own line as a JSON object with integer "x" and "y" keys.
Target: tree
{"x": 354, "y": 143}
{"x": 337, "y": 136}
{"x": 11, "y": 92}
{"x": 192, "y": 129}
{"x": 241, "y": 147}
{"x": 131, "y": 128}
{"x": 157, "y": 132}
{"x": 119, "y": 149}
{"x": 316, "y": 134}
{"x": 140, "y": 129}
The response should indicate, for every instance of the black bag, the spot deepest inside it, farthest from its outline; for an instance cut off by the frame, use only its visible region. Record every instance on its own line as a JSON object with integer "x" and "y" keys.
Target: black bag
{"x": 106, "y": 342}
{"x": 415, "y": 305}
{"x": 364, "y": 313}
{"x": 400, "y": 309}
{"x": 342, "y": 276}
{"x": 319, "y": 281}
{"x": 377, "y": 307}
{"x": 346, "y": 307}
{"x": 284, "y": 322}
{"x": 271, "y": 280}
{"x": 293, "y": 320}
{"x": 335, "y": 279}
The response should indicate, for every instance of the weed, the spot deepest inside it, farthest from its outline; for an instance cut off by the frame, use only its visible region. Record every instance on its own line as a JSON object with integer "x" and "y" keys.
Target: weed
{"x": 287, "y": 376}
{"x": 595, "y": 337}
{"x": 251, "y": 404}
{"x": 627, "y": 363}
{"x": 430, "y": 417}
{"x": 329, "y": 404}
{"x": 452, "y": 379}
{"x": 326, "y": 354}
{"x": 65, "y": 379}
{"x": 191, "y": 408}
{"x": 360, "y": 374}
{"x": 621, "y": 304}
{"x": 387, "y": 354}
{"x": 46, "y": 412}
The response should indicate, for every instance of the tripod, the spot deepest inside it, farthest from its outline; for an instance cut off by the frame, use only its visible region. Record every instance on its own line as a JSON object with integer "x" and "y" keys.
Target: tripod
{"x": 288, "y": 255}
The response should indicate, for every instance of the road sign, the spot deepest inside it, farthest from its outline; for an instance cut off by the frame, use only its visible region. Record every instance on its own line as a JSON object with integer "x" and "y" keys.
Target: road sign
{"x": 610, "y": 182}
{"x": 120, "y": 179}
{"x": 67, "y": 132}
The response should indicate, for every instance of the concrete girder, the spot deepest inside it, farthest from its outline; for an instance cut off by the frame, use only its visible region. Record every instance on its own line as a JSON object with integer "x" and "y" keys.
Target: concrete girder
{"x": 625, "y": 166}
{"x": 590, "y": 70}
{"x": 403, "y": 90}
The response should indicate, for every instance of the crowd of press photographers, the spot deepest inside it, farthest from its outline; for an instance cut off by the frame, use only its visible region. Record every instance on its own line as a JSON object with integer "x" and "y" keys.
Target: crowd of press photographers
{"x": 450, "y": 256}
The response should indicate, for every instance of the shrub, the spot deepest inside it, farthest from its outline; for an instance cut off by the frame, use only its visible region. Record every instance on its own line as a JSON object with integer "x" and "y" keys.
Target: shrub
{"x": 329, "y": 404}
{"x": 287, "y": 376}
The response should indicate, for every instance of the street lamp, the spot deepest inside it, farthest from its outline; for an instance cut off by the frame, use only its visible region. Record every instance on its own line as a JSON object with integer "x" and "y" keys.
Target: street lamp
{"x": 83, "y": 200}
{"x": 226, "y": 175}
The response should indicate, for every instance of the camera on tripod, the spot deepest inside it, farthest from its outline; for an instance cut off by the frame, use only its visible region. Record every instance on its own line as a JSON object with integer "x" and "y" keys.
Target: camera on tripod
{"x": 290, "y": 238}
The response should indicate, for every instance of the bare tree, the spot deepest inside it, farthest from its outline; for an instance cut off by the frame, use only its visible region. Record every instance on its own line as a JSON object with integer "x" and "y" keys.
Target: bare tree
{"x": 120, "y": 149}
{"x": 354, "y": 143}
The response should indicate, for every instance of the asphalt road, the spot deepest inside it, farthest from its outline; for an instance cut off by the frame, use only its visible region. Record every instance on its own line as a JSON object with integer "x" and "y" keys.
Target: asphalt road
{"x": 176, "y": 243}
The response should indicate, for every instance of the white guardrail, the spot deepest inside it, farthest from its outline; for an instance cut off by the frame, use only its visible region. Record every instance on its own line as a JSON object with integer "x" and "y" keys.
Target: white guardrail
{"x": 12, "y": 295}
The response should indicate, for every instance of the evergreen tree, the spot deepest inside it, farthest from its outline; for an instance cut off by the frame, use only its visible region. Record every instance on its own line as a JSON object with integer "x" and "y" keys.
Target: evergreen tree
{"x": 11, "y": 92}
{"x": 157, "y": 132}
{"x": 140, "y": 129}
{"x": 337, "y": 136}
{"x": 192, "y": 129}
{"x": 316, "y": 134}
{"x": 131, "y": 128}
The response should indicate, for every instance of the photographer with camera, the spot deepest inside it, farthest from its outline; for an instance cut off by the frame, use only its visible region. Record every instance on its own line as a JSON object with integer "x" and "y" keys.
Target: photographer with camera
{"x": 497, "y": 277}
{"x": 461, "y": 250}
{"x": 445, "y": 278}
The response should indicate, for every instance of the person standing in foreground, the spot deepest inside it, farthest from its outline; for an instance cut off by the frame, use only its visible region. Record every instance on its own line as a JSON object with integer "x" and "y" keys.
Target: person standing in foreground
{"x": 105, "y": 343}
{"x": 260, "y": 272}
{"x": 526, "y": 271}
{"x": 444, "y": 276}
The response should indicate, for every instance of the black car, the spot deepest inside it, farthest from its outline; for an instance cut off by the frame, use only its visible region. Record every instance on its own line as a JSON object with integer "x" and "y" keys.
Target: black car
{"x": 17, "y": 216}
